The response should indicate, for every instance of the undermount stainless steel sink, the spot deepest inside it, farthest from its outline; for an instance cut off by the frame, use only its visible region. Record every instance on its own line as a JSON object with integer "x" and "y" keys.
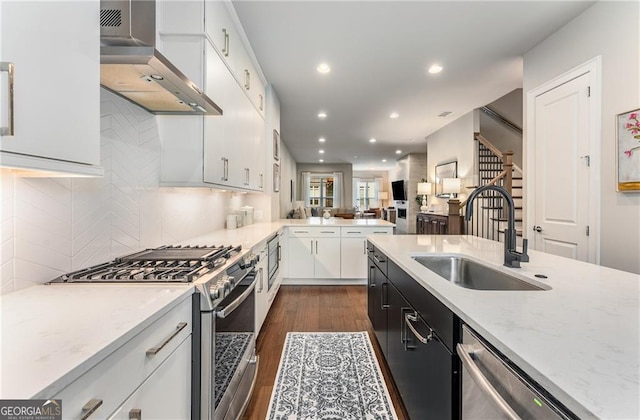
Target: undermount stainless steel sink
{"x": 469, "y": 274}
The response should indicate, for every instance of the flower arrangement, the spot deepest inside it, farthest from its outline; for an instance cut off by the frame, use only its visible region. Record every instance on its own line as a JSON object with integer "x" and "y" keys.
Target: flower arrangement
{"x": 633, "y": 126}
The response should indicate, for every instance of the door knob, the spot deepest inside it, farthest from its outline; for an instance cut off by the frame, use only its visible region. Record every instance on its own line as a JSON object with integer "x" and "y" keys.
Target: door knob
{"x": 537, "y": 228}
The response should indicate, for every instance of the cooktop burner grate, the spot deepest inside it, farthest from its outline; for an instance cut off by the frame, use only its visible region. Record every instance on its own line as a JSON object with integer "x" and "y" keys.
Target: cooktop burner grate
{"x": 171, "y": 264}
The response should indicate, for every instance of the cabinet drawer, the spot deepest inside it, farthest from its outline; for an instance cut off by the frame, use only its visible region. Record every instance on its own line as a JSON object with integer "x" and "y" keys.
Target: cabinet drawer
{"x": 315, "y": 232}
{"x": 362, "y": 232}
{"x": 378, "y": 258}
{"x": 434, "y": 312}
{"x": 116, "y": 377}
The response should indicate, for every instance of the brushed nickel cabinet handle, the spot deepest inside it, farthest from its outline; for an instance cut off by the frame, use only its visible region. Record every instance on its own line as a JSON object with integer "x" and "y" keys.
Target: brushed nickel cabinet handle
{"x": 10, "y": 69}
{"x": 261, "y": 102}
{"x": 89, "y": 408}
{"x": 225, "y": 51}
{"x": 247, "y": 79}
{"x": 154, "y": 350}
{"x": 408, "y": 318}
{"x": 135, "y": 414}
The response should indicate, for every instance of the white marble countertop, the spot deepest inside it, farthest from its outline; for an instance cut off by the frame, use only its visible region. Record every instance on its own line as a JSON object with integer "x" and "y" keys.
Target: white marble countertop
{"x": 251, "y": 235}
{"x": 580, "y": 340}
{"x": 51, "y": 335}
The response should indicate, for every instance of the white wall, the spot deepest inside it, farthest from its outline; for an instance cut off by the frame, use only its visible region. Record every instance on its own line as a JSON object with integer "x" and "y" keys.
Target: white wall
{"x": 454, "y": 141}
{"x": 51, "y": 226}
{"x": 609, "y": 29}
{"x": 289, "y": 181}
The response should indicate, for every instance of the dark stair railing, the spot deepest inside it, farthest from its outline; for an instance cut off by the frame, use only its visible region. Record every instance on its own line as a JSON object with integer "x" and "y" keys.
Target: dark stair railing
{"x": 494, "y": 168}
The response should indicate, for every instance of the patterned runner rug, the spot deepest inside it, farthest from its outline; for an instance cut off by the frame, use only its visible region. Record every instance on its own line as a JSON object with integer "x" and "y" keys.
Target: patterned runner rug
{"x": 329, "y": 376}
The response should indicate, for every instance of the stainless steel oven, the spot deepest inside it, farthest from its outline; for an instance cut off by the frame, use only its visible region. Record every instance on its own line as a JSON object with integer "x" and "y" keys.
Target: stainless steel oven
{"x": 229, "y": 363}
{"x": 274, "y": 259}
{"x": 223, "y": 341}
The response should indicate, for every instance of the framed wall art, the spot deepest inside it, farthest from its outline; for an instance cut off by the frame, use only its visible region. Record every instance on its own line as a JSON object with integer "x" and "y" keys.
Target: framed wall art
{"x": 276, "y": 177}
{"x": 628, "y": 142}
{"x": 276, "y": 145}
{"x": 445, "y": 170}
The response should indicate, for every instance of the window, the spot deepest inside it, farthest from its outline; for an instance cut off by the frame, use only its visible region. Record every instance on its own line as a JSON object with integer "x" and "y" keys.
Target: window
{"x": 321, "y": 192}
{"x": 367, "y": 194}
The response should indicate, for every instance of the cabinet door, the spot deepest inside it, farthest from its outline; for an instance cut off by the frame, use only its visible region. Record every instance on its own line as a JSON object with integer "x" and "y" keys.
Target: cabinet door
{"x": 380, "y": 308}
{"x": 54, "y": 47}
{"x": 422, "y": 371}
{"x": 353, "y": 263}
{"x": 327, "y": 258}
{"x": 166, "y": 393}
{"x": 222, "y": 32}
{"x": 218, "y": 130}
{"x": 262, "y": 296}
{"x": 301, "y": 258}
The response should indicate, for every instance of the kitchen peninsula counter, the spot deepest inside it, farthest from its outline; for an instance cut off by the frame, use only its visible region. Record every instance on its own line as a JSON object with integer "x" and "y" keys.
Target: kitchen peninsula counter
{"x": 52, "y": 334}
{"x": 580, "y": 340}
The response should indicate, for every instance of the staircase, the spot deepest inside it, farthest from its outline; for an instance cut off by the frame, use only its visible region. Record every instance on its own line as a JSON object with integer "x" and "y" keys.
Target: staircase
{"x": 489, "y": 210}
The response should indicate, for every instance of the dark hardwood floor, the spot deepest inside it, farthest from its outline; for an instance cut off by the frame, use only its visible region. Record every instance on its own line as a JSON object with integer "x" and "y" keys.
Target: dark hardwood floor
{"x": 311, "y": 308}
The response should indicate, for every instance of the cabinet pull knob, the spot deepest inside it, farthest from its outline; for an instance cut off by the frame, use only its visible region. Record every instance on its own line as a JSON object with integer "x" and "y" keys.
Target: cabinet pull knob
{"x": 135, "y": 414}
{"x": 10, "y": 69}
{"x": 225, "y": 51}
{"x": 154, "y": 350}
{"x": 89, "y": 408}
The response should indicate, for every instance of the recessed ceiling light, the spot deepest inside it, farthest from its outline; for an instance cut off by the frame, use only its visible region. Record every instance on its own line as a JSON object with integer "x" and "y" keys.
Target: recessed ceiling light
{"x": 321, "y": 151}
{"x": 322, "y": 139}
{"x": 355, "y": 157}
{"x": 436, "y": 68}
{"x": 444, "y": 114}
{"x": 394, "y": 115}
{"x": 323, "y": 68}
{"x": 372, "y": 140}
{"x": 320, "y": 160}
{"x": 322, "y": 115}
{"x": 384, "y": 160}
{"x": 398, "y": 151}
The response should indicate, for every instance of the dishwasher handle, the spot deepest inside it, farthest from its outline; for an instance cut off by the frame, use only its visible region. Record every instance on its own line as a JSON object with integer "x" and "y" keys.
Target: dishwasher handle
{"x": 464, "y": 352}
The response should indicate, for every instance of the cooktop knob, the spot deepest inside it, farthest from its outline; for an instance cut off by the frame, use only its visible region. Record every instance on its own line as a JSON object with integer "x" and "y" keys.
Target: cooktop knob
{"x": 214, "y": 292}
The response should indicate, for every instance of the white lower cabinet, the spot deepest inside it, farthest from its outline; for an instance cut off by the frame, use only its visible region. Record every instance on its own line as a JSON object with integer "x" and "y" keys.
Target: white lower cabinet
{"x": 166, "y": 394}
{"x": 329, "y": 252}
{"x": 103, "y": 389}
{"x": 314, "y": 253}
{"x": 354, "y": 250}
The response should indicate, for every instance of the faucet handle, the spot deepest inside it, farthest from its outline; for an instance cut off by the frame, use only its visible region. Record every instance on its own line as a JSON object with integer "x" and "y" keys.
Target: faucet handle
{"x": 524, "y": 257}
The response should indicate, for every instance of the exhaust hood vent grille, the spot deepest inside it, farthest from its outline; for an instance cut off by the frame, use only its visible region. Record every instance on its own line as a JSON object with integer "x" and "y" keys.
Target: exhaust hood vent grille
{"x": 110, "y": 18}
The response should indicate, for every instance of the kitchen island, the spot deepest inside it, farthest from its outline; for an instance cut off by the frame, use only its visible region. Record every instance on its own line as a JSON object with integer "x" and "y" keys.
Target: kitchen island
{"x": 580, "y": 340}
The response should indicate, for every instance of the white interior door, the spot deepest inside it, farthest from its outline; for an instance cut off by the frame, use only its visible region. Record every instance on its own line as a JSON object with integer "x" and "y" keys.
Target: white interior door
{"x": 561, "y": 170}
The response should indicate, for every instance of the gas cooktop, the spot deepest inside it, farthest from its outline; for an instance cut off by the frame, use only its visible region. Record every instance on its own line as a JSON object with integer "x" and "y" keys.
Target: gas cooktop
{"x": 171, "y": 264}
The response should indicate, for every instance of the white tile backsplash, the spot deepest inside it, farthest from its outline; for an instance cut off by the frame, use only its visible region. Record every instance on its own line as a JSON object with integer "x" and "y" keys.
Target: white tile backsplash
{"x": 54, "y": 225}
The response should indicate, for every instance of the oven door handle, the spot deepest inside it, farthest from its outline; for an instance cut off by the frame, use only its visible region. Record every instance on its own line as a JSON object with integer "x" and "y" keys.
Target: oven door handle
{"x": 233, "y": 305}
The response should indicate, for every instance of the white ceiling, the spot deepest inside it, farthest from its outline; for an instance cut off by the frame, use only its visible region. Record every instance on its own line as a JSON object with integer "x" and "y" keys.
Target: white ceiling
{"x": 379, "y": 52}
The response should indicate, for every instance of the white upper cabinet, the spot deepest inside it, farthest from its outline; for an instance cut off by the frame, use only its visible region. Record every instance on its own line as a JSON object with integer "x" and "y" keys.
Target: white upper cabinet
{"x": 226, "y": 150}
{"x": 53, "y": 49}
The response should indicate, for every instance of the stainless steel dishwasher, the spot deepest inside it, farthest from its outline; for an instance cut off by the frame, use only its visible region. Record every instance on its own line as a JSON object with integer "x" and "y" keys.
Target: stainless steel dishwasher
{"x": 492, "y": 389}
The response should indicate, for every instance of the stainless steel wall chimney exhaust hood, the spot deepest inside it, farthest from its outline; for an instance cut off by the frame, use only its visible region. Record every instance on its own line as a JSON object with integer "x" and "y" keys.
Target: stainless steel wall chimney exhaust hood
{"x": 131, "y": 67}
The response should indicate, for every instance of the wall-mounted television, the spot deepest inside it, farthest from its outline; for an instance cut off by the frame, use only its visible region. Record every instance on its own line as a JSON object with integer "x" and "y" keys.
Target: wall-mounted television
{"x": 399, "y": 193}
